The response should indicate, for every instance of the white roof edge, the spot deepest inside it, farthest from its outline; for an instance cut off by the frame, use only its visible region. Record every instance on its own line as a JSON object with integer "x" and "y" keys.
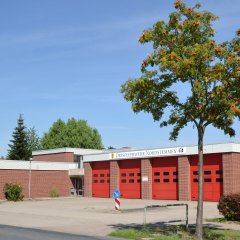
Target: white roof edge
{"x": 36, "y": 165}
{"x": 190, "y": 150}
{"x": 80, "y": 151}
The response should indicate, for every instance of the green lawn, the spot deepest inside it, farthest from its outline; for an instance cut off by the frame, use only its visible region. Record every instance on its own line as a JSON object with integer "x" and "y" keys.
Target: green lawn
{"x": 174, "y": 233}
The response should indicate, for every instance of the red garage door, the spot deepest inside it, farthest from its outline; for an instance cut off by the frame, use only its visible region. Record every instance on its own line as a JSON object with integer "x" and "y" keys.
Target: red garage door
{"x": 101, "y": 179}
{"x": 212, "y": 177}
{"x": 130, "y": 178}
{"x": 165, "y": 178}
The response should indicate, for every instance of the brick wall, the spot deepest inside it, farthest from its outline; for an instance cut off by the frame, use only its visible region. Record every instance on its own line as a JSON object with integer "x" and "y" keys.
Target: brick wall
{"x": 87, "y": 179}
{"x": 146, "y": 172}
{"x": 231, "y": 173}
{"x": 41, "y": 182}
{"x": 184, "y": 184}
{"x": 114, "y": 176}
{"x": 55, "y": 157}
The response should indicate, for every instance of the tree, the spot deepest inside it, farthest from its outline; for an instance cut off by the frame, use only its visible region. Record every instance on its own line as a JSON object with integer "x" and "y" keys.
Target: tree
{"x": 74, "y": 133}
{"x": 19, "y": 149}
{"x": 34, "y": 141}
{"x": 186, "y": 56}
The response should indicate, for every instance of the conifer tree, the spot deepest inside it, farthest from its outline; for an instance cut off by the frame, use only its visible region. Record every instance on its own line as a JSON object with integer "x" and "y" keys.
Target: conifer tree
{"x": 19, "y": 149}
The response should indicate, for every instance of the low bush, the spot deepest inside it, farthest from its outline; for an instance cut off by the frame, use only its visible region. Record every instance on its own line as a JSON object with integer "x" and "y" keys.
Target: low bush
{"x": 229, "y": 206}
{"x": 54, "y": 192}
{"x": 13, "y": 192}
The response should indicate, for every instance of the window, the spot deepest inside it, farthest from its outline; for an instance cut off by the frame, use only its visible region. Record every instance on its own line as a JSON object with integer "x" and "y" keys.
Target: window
{"x": 156, "y": 173}
{"x": 123, "y": 181}
{"x": 219, "y": 171}
{"x": 101, "y": 175}
{"x": 124, "y": 174}
{"x": 139, "y": 180}
{"x": 108, "y": 175}
{"x": 157, "y": 180}
{"x": 195, "y": 180}
{"x": 165, "y": 173}
{"x": 175, "y": 173}
{"x": 165, "y": 180}
{"x": 207, "y": 180}
{"x": 131, "y": 174}
{"x": 175, "y": 180}
{"x": 131, "y": 180}
{"x": 139, "y": 174}
{"x": 207, "y": 172}
{"x": 78, "y": 160}
{"x": 195, "y": 173}
{"x": 95, "y": 181}
{"x": 219, "y": 179}
{"x": 95, "y": 175}
{"x": 101, "y": 181}
{"x": 108, "y": 181}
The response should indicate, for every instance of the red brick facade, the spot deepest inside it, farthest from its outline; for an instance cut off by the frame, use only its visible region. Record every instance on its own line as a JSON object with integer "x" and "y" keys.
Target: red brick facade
{"x": 146, "y": 173}
{"x": 114, "y": 176}
{"x": 231, "y": 173}
{"x": 55, "y": 157}
{"x": 184, "y": 184}
{"x": 87, "y": 179}
{"x": 42, "y": 182}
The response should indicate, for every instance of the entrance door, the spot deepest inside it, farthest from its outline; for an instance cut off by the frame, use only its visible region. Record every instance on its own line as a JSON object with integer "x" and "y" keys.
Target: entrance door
{"x": 78, "y": 186}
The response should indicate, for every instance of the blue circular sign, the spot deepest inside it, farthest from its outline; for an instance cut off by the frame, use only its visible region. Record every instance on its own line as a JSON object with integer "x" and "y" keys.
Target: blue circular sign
{"x": 116, "y": 193}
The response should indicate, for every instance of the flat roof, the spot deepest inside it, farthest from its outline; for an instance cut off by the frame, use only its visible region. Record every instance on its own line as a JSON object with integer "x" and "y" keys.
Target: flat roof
{"x": 77, "y": 151}
{"x": 162, "y": 152}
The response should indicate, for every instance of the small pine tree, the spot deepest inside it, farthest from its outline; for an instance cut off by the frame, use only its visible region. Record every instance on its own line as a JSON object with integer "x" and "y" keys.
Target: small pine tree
{"x": 19, "y": 149}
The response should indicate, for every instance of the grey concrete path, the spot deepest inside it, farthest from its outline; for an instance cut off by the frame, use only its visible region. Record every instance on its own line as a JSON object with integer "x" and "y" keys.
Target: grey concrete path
{"x": 17, "y": 233}
{"x": 94, "y": 216}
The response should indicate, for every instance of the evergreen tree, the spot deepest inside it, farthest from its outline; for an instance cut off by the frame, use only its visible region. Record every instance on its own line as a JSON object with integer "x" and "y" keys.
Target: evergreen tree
{"x": 19, "y": 149}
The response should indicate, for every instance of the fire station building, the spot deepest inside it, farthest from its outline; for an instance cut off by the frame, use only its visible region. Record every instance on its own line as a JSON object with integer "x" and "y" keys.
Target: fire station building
{"x": 163, "y": 173}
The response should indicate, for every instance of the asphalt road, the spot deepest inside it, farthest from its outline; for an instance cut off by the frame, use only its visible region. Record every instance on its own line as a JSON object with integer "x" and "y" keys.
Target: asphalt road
{"x": 18, "y": 233}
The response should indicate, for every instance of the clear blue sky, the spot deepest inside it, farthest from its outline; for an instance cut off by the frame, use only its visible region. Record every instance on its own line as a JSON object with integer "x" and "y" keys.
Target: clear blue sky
{"x": 62, "y": 59}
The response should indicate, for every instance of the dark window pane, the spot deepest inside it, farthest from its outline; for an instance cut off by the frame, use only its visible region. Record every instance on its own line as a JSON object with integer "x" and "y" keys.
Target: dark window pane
{"x": 124, "y": 174}
{"x": 219, "y": 179}
{"x": 108, "y": 181}
{"x": 165, "y": 173}
{"x": 95, "y": 181}
{"x": 101, "y": 175}
{"x": 175, "y": 173}
{"x": 175, "y": 180}
{"x": 108, "y": 175}
{"x": 219, "y": 171}
{"x": 157, "y": 180}
{"x": 156, "y": 173}
{"x": 195, "y": 180}
{"x": 195, "y": 173}
{"x": 123, "y": 181}
{"x": 131, "y": 174}
{"x": 139, "y": 174}
{"x": 101, "y": 181}
{"x": 165, "y": 180}
{"x": 207, "y": 172}
{"x": 139, "y": 180}
{"x": 207, "y": 180}
{"x": 95, "y": 175}
{"x": 131, "y": 180}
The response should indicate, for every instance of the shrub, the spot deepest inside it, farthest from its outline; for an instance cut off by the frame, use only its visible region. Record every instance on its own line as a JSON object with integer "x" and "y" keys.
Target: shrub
{"x": 13, "y": 192}
{"x": 229, "y": 206}
{"x": 54, "y": 192}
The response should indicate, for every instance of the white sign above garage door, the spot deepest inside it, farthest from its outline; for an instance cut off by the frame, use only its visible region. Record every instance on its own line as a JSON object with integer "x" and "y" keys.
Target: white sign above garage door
{"x": 149, "y": 153}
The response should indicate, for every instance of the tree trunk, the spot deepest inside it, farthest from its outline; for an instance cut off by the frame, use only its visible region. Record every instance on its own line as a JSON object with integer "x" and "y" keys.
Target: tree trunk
{"x": 199, "y": 220}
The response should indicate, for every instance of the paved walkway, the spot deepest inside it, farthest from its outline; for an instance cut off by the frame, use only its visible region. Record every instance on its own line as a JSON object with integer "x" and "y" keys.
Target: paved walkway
{"x": 95, "y": 216}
